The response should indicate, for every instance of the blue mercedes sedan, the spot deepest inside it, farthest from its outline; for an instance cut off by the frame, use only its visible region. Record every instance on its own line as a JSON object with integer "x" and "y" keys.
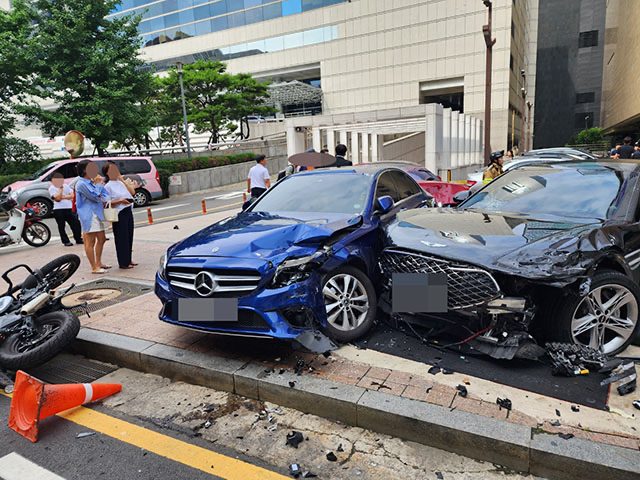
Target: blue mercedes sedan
{"x": 301, "y": 259}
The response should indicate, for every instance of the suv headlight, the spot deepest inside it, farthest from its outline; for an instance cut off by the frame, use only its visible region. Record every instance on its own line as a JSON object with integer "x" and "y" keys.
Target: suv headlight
{"x": 162, "y": 266}
{"x": 294, "y": 270}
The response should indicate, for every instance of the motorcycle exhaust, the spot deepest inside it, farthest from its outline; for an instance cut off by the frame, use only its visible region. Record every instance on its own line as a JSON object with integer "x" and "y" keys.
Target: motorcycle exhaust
{"x": 36, "y": 304}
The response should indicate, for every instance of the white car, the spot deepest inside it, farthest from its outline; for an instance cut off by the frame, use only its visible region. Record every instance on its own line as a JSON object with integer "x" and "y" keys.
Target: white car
{"x": 517, "y": 162}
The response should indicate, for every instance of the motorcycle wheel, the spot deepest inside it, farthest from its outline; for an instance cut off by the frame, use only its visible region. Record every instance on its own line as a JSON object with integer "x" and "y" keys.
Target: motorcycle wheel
{"x": 54, "y": 332}
{"x": 54, "y": 273}
{"x": 37, "y": 234}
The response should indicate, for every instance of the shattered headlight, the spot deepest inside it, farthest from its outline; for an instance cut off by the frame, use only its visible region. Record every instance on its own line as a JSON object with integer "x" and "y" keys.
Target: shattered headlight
{"x": 294, "y": 270}
{"x": 162, "y": 266}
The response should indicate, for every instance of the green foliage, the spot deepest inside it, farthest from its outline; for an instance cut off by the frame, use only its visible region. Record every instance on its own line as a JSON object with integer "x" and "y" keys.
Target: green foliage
{"x": 215, "y": 98}
{"x": 590, "y": 136}
{"x": 89, "y": 67}
{"x": 9, "y": 179}
{"x": 18, "y": 151}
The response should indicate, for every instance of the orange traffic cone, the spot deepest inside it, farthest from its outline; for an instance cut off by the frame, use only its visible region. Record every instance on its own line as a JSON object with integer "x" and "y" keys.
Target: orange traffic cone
{"x": 34, "y": 400}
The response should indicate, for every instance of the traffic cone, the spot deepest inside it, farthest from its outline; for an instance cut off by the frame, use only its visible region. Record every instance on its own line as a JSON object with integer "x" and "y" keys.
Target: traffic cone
{"x": 33, "y": 400}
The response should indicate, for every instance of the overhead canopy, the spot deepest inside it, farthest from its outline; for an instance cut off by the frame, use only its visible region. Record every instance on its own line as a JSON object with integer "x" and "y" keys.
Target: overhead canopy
{"x": 293, "y": 93}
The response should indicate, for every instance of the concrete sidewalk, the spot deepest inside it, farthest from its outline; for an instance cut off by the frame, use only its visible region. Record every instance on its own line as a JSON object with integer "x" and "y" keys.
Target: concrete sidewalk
{"x": 360, "y": 387}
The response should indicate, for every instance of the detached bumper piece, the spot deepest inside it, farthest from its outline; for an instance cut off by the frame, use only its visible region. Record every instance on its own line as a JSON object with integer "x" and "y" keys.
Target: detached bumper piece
{"x": 467, "y": 285}
{"x": 569, "y": 360}
{"x": 316, "y": 342}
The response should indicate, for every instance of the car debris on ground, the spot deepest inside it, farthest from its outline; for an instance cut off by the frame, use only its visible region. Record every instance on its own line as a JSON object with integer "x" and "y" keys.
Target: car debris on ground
{"x": 294, "y": 439}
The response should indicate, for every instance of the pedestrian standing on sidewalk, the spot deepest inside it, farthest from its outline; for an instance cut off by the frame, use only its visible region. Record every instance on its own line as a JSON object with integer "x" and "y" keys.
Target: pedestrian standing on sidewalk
{"x": 259, "y": 179}
{"x": 62, "y": 196}
{"x": 626, "y": 150}
{"x": 121, "y": 193}
{"x": 90, "y": 198}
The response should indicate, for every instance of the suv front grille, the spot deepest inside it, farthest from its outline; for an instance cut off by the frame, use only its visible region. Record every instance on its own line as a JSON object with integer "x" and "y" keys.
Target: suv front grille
{"x": 226, "y": 283}
{"x": 467, "y": 285}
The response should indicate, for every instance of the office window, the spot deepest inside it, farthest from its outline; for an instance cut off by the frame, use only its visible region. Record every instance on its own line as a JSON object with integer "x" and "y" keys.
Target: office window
{"x": 511, "y": 62}
{"x": 586, "y": 97}
{"x": 588, "y": 39}
{"x": 583, "y": 120}
{"x": 291, "y": 7}
{"x": 513, "y": 29}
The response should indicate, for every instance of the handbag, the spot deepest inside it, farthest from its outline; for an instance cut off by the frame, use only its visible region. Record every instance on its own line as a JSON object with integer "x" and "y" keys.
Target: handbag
{"x": 110, "y": 214}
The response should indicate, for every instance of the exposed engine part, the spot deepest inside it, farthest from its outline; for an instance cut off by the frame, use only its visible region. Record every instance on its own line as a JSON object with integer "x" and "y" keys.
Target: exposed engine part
{"x": 506, "y": 305}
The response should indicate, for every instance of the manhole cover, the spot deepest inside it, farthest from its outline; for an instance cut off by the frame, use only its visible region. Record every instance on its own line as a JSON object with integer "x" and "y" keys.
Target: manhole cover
{"x": 101, "y": 294}
{"x": 71, "y": 369}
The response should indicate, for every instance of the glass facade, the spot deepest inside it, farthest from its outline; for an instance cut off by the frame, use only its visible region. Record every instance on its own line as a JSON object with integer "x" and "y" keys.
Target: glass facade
{"x": 273, "y": 44}
{"x": 169, "y": 20}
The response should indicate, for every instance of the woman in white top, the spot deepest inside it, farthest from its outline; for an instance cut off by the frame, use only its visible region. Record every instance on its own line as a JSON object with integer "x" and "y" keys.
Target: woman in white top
{"x": 121, "y": 193}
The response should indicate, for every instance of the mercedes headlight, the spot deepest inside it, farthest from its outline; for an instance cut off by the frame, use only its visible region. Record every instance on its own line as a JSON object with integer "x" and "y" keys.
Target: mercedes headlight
{"x": 294, "y": 270}
{"x": 13, "y": 195}
{"x": 162, "y": 266}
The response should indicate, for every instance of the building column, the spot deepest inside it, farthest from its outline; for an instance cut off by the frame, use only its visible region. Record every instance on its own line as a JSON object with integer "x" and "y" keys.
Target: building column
{"x": 355, "y": 148}
{"x": 316, "y": 135}
{"x": 446, "y": 140}
{"x": 433, "y": 137}
{"x": 455, "y": 119}
{"x": 343, "y": 140}
{"x": 376, "y": 148}
{"x": 365, "y": 148}
{"x": 467, "y": 140}
{"x": 480, "y": 147}
{"x": 474, "y": 141}
{"x": 331, "y": 141}
{"x": 295, "y": 141}
{"x": 461, "y": 142}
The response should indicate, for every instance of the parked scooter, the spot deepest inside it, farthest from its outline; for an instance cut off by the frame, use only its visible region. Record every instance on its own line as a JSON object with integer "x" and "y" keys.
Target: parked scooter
{"x": 23, "y": 224}
{"x": 34, "y": 324}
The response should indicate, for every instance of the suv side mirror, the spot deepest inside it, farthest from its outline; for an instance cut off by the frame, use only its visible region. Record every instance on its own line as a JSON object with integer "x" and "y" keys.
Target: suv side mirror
{"x": 384, "y": 204}
{"x": 461, "y": 196}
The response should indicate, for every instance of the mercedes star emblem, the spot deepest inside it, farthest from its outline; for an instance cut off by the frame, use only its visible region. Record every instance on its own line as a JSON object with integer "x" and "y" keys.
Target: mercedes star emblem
{"x": 205, "y": 284}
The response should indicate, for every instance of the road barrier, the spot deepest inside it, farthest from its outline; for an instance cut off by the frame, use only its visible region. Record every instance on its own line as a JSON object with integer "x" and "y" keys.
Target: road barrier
{"x": 204, "y": 206}
{"x": 149, "y": 216}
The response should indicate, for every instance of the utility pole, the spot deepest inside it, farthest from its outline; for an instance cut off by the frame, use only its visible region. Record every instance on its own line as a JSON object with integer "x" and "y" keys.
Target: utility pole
{"x": 523, "y": 90}
{"x": 490, "y": 42}
{"x": 184, "y": 110}
{"x": 529, "y": 139}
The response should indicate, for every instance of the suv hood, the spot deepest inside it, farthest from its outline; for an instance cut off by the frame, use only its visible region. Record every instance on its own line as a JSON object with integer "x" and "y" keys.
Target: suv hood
{"x": 510, "y": 243}
{"x": 264, "y": 236}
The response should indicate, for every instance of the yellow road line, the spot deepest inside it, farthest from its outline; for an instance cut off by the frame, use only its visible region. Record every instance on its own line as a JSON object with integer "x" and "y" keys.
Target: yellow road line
{"x": 169, "y": 447}
{"x": 192, "y": 214}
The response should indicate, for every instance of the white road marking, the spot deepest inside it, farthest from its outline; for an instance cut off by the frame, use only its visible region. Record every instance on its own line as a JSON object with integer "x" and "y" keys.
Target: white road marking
{"x": 156, "y": 210}
{"x": 16, "y": 467}
{"x": 226, "y": 196}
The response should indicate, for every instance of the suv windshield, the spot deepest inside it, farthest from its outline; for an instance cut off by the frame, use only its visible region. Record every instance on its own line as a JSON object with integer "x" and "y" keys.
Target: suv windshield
{"x": 323, "y": 193}
{"x": 42, "y": 170}
{"x": 587, "y": 192}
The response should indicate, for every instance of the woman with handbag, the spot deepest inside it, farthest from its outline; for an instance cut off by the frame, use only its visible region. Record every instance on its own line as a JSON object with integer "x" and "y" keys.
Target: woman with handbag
{"x": 90, "y": 197}
{"x": 119, "y": 211}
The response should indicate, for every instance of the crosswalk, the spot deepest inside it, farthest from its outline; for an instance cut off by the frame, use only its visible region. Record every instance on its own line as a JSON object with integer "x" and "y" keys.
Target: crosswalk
{"x": 15, "y": 467}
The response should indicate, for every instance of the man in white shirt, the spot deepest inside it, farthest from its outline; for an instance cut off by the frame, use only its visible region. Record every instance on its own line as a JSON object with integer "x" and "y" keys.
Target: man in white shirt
{"x": 259, "y": 179}
{"x": 62, "y": 196}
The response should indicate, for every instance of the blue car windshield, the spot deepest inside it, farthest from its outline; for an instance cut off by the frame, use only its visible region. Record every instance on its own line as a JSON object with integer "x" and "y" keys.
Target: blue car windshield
{"x": 322, "y": 193}
{"x": 589, "y": 192}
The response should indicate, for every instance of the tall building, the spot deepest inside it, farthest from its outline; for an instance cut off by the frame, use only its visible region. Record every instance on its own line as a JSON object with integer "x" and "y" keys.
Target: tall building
{"x": 621, "y": 95}
{"x": 365, "y": 55}
{"x": 571, "y": 37}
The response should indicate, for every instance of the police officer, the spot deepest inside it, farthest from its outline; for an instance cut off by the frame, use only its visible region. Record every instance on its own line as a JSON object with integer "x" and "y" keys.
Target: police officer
{"x": 495, "y": 168}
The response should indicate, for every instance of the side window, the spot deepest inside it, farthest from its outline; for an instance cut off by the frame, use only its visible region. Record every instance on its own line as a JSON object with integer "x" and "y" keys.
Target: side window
{"x": 386, "y": 186}
{"x": 137, "y": 166}
{"x": 405, "y": 185}
{"x": 68, "y": 170}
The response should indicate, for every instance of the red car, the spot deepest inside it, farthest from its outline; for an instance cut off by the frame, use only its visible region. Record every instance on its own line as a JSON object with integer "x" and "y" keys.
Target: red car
{"x": 442, "y": 192}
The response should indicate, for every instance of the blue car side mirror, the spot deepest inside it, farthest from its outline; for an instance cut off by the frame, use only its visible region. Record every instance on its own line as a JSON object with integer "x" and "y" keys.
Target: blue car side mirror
{"x": 384, "y": 204}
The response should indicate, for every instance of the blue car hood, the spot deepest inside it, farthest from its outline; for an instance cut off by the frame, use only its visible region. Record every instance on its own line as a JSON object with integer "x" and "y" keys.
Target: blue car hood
{"x": 265, "y": 236}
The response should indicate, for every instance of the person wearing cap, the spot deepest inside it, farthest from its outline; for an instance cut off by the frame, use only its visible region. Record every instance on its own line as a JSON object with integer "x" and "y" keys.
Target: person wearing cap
{"x": 626, "y": 150}
{"x": 495, "y": 168}
{"x": 636, "y": 154}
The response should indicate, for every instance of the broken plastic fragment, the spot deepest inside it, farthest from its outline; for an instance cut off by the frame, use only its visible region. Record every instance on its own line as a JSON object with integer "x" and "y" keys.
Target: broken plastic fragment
{"x": 504, "y": 403}
{"x": 294, "y": 439}
{"x": 340, "y": 449}
{"x": 462, "y": 390}
{"x": 566, "y": 436}
{"x": 308, "y": 474}
{"x": 332, "y": 457}
{"x": 555, "y": 423}
{"x": 575, "y": 408}
{"x": 558, "y": 413}
{"x": 85, "y": 434}
{"x": 434, "y": 370}
{"x": 294, "y": 470}
{"x": 207, "y": 424}
{"x": 636, "y": 404}
{"x": 292, "y": 384}
{"x": 439, "y": 476}
{"x": 272, "y": 428}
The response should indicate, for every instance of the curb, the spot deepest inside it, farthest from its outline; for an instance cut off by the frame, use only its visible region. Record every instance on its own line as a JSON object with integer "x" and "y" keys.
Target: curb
{"x": 514, "y": 446}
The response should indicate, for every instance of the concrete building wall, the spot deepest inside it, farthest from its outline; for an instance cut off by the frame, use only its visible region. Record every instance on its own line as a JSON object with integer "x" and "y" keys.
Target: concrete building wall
{"x": 5, "y": 4}
{"x": 384, "y": 50}
{"x": 621, "y": 95}
{"x": 567, "y": 72}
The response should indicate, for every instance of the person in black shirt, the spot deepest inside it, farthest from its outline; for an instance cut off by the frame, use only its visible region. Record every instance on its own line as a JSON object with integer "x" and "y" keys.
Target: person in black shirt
{"x": 626, "y": 150}
{"x": 636, "y": 155}
{"x": 341, "y": 161}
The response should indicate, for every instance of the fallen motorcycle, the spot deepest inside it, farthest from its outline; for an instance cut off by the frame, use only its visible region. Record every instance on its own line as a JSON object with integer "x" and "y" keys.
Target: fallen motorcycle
{"x": 34, "y": 324}
{"x": 23, "y": 224}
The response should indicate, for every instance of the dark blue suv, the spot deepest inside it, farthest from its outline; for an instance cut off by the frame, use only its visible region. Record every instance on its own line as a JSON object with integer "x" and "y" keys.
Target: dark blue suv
{"x": 303, "y": 257}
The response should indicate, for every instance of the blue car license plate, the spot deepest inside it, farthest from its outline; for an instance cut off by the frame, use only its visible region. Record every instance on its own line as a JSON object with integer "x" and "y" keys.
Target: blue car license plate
{"x": 208, "y": 309}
